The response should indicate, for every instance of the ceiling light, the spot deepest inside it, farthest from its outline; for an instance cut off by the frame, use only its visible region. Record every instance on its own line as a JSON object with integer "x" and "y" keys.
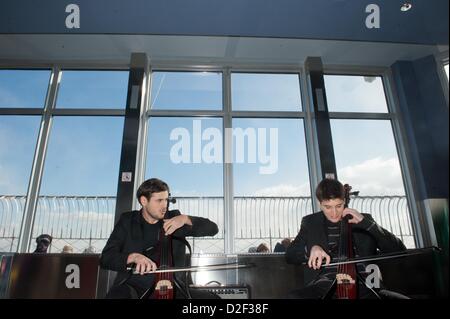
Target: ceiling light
{"x": 406, "y": 7}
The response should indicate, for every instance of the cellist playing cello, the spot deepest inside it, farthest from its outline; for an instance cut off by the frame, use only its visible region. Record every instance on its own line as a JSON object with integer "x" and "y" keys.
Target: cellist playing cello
{"x": 320, "y": 242}
{"x": 152, "y": 238}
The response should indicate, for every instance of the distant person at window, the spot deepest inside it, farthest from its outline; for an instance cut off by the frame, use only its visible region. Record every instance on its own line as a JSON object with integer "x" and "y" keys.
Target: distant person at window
{"x": 42, "y": 243}
{"x": 252, "y": 249}
{"x": 318, "y": 243}
{"x": 135, "y": 238}
{"x": 67, "y": 249}
{"x": 281, "y": 247}
{"x": 89, "y": 250}
{"x": 262, "y": 248}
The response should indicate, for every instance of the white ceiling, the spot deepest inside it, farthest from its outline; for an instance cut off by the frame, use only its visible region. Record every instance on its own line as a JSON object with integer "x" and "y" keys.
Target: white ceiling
{"x": 116, "y": 50}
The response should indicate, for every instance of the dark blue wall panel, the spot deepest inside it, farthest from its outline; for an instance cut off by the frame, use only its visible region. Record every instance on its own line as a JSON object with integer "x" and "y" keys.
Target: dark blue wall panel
{"x": 426, "y": 117}
{"x": 425, "y": 23}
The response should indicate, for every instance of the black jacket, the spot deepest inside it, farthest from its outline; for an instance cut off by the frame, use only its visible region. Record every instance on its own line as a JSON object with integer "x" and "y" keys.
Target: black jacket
{"x": 368, "y": 239}
{"x": 127, "y": 237}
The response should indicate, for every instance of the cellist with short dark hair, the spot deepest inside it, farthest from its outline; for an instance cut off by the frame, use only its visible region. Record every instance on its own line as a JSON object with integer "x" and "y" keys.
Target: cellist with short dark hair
{"x": 325, "y": 236}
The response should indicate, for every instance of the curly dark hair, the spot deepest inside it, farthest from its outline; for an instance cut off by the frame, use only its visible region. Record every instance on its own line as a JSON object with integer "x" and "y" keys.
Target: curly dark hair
{"x": 330, "y": 189}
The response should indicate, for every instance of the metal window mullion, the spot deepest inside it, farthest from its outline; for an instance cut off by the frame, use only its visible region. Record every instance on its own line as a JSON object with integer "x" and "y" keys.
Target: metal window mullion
{"x": 65, "y": 65}
{"x": 89, "y": 112}
{"x": 26, "y": 228}
{"x": 191, "y": 66}
{"x": 229, "y": 231}
{"x": 129, "y": 152}
{"x": 359, "y": 116}
{"x": 267, "y": 114}
{"x": 353, "y": 70}
{"x": 184, "y": 113}
{"x": 185, "y": 67}
{"x": 234, "y": 114}
{"x": 21, "y": 111}
{"x": 312, "y": 144}
{"x": 143, "y": 133}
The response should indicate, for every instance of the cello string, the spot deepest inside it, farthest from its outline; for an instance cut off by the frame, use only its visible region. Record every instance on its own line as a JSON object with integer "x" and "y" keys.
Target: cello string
{"x": 345, "y": 244}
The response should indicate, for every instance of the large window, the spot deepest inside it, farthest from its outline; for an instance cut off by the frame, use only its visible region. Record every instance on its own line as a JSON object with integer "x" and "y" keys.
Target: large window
{"x": 18, "y": 135}
{"x": 270, "y": 190}
{"x": 366, "y": 154}
{"x": 271, "y": 181}
{"x": 270, "y": 166}
{"x": 187, "y": 154}
{"x": 25, "y": 91}
{"x": 76, "y": 201}
{"x": 260, "y": 190}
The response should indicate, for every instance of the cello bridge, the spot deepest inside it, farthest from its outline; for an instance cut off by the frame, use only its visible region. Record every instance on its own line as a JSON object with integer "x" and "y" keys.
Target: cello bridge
{"x": 163, "y": 285}
{"x": 344, "y": 279}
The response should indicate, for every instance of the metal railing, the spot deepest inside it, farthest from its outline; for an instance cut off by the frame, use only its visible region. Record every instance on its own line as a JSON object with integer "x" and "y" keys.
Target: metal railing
{"x": 86, "y": 222}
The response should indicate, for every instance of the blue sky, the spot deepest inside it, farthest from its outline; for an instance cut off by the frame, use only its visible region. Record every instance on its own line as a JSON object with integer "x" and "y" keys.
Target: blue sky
{"x": 181, "y": 90}
{"x": 20, "y": 88}
{"x": 291, "y": 178}
{"x": 83, "y": 153}
{"x": 92, "y": 89}
{"x": 83, "y": 156}
{"x": 186, "y": 179}
{"x": 18, "y": 135}
{"x": 191, "y": 179}
{"x": 281, "y": 92}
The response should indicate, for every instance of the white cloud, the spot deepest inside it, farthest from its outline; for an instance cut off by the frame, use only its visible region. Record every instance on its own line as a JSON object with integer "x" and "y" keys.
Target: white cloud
{"x": 374, "y": 177}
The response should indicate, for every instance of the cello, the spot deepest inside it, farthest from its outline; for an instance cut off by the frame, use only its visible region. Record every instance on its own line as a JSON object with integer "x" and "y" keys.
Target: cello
{"x": 165, "y": 281}
{"x": 163, "y": 287}
{"x": 346, "y": 277}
